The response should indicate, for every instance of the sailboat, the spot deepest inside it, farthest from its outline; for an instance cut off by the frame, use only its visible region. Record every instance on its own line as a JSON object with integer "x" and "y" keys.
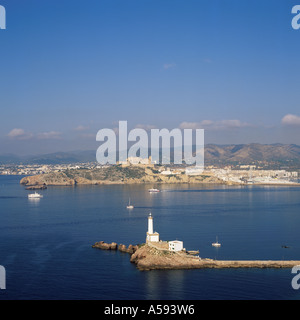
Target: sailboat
{"x": 216, "y": 244}
{"x": 130, "y": 206}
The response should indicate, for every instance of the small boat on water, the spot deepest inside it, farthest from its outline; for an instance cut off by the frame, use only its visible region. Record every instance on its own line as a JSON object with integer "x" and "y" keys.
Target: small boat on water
{"x": 35, "y": 196}
{"x": 216, "y": 244}
{"x": 153, "y": 190}
{"x": 130, "y": 206}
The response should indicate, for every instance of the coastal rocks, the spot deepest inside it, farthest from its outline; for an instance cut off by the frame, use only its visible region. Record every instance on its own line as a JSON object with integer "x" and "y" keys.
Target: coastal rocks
{"x": 105, "y": 246}
{"x": 122, "y": 248}
{"x": 48, "y": 179}
{"x": 37, "y": 187}
{"x": 131, "y": 249}
{"x": 114, "y": 246}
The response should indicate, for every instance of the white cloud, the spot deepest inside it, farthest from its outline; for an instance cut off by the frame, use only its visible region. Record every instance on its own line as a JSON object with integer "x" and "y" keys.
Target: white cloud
{"x": 81, "y": 128}
{"x": 215, "y": 125}
{"x": 291, "y": 120}
{"x": 190, "y": 125}
{"x": 16, "y": 133}
{"x": 19, "y": 134}
{"x": 206, "y": 123}
{"x": 49, "y": 135}
{"x": 233, "y": 124}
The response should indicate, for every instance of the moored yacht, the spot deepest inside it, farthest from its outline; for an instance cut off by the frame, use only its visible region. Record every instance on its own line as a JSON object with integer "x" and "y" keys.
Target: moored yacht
{"x": 216, "y": 244}
{"x": 35, "y": 196}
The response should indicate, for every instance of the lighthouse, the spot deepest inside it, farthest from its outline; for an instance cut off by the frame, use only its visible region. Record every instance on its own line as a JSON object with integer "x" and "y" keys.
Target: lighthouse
{"x": 151, "y": 236}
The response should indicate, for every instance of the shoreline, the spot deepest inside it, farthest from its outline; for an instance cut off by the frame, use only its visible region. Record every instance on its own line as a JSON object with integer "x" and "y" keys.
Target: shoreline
{"x": 31, "y": 182}
{"x": 129, "y": 175}
{"x": 166, "y": 183}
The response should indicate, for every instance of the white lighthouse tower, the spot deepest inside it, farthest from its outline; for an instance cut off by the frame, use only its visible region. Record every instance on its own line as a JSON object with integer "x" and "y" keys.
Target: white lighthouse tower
{"x": 151, "y": 236}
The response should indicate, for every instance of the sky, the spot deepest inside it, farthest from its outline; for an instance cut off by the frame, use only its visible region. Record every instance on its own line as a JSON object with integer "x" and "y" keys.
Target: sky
{"x": 69, "y": 68}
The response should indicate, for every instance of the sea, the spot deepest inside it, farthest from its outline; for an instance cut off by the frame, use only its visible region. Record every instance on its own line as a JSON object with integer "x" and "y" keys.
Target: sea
{"x": 46, "y": 245}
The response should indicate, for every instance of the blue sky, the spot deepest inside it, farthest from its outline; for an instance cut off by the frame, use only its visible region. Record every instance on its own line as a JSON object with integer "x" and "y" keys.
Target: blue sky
{"x": 71, "y": 68}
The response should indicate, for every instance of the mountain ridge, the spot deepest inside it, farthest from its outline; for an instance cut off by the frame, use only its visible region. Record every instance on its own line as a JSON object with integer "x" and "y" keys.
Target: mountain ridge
{"x": 283, "y": 154}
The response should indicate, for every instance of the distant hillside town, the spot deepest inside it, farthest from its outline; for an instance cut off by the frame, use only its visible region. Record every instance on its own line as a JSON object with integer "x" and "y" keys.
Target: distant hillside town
{"x": 230, "y": 164}
{"x": 138, "y": 170}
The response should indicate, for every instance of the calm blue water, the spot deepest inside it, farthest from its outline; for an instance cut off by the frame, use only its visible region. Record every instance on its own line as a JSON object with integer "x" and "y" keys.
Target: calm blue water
{"x": 45, "y": 245}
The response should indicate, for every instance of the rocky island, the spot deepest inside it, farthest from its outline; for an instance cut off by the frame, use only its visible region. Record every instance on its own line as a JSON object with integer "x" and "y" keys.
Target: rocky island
{"x": 150, "y": 256}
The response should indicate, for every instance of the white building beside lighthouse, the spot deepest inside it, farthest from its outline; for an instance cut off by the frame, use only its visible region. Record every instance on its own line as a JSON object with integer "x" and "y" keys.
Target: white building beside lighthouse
{"x": 175, "y": 245}
{"x": 151, "y": 236}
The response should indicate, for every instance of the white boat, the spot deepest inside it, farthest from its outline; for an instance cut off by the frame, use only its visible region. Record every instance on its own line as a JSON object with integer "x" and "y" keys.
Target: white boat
{"x": 153, "y": 190}
{"x": 35, "y": 196}
{"x": 130, "y": 206}
{"x": 216, "y": 244}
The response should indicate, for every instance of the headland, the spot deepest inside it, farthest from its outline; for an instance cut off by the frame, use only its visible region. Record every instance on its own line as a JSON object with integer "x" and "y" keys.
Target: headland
{"x": 117, "y": 174}
{"x": 154, "y": 174}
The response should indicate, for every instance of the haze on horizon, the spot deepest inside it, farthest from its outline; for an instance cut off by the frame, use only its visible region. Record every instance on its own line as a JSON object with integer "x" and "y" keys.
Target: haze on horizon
{"x": 69, "y": 69}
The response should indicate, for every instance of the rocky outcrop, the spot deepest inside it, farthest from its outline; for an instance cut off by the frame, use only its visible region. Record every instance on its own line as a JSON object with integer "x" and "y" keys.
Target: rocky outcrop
{"x": 149, "y": 258}
{"x": 131, "y": 249}
{"x": 105, "y": 246}
{"x": 36, "y": 187}
{"x": 114, "y": 246}
{"x": 48, "y": 179}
